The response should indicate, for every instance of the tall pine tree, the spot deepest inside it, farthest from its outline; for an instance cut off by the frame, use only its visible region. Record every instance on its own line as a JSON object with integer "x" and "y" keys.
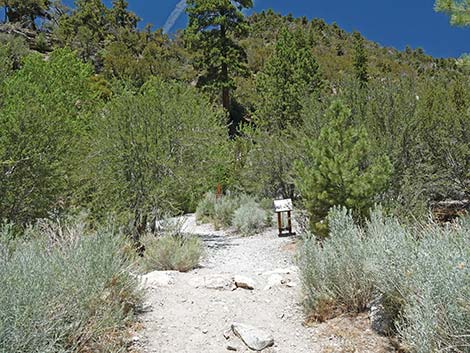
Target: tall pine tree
{"x": 290, "y": 75}
{"x": 25, "y": 12}
{"x": 213, "y": 30}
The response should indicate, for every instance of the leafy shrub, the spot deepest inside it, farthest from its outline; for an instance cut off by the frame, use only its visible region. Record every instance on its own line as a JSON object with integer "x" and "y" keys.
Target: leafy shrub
{"x": 70, "y": 293}
{"x": 170, "y": 252}
{"x": 220, "y": 211}
{"x": 224, "y": 210}
{"x": 46, "y": 105}
{"x": 205, "y": 210}
{"x": 422, "y": 272}
{"x": 170, "y": 167}
{"x": 250, "y": 218}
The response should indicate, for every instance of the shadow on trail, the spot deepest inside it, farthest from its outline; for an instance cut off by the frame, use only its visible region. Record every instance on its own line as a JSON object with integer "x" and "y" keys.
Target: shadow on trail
{"x": 217, "y": 242}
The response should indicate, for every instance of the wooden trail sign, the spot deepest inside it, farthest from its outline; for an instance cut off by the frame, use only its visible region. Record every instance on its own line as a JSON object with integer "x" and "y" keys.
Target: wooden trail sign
{"x": 284, "y": 207}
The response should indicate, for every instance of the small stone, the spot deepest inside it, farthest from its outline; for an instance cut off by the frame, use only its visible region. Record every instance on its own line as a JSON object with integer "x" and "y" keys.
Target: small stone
{"x": 205, "y": 331}
{"x": 232, "y": 348}
{"x": 244, "y": 282}
{"x": 255, "y": 338}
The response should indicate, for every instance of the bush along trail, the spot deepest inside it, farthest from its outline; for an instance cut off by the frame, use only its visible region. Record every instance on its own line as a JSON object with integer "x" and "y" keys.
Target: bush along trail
{"x": 245, "y": 296}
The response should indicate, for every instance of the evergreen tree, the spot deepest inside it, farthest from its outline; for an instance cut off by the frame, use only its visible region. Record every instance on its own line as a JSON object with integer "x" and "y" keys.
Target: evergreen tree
{"x": 290, "y": 75}
{"x": 214, "y": 26}
{"x": 121, "y": 17}
{"x": 459, "y": 11}
{"x": 91, "y": 26}
{"x": 85, "y": 28}
{"x": 340, "y": 170}
{"x": 360, "y": 60}
{"x": 25, "y": 11}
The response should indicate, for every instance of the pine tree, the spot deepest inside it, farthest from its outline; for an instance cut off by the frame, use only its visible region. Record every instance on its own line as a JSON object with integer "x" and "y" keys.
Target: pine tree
{"x": 25, "y": 11}
{"x": 91, "y": 25}
{"x": 85, "y": 28}
{"x": 121, "y": 17}
{"x": 340, "y": 169}
{"x": 214, "y": 26}
{"x": 459, "y": 11}
{"x": 290, "y": 75}
{"x": 360, "y": 60}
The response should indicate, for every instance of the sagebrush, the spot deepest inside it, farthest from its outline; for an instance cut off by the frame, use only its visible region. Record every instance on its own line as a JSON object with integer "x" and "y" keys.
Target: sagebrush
{"x": 170, "y": 252}
{"x": 422, "y": 272}
{"x": 65, "y": 293}
{"x": 250, "y": 218}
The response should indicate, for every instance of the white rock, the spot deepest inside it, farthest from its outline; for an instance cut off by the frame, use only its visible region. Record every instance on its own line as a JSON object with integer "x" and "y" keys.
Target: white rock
{"x": 244, "y": 282}
{"x": 159, "y": 278}
{"x": 253, "y": 337}
{"x": 273, "y": 281}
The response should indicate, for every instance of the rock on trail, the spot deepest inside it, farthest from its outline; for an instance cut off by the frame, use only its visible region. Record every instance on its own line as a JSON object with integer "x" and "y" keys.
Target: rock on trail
{"x": 194, "y": 312}
{"x": 248, "y": 280}
{"x": 253, "y": 337}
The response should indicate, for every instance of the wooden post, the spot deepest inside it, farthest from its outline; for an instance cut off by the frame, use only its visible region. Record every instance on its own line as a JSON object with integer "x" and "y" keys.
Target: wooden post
{"x": 218, "y": 194}
{"x": 279, "y": 223}
{"x": 289, "y": 222}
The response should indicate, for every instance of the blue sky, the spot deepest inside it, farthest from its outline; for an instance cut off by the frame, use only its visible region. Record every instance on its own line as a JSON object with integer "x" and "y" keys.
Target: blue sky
{"x": 394, "y": 23}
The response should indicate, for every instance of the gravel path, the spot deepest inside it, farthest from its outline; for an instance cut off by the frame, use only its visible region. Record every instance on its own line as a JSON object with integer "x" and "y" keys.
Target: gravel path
{"x": 193, "y": 312}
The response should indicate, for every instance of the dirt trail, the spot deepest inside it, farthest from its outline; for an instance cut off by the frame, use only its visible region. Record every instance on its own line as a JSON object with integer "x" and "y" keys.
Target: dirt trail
{"x": 191, "y": 312}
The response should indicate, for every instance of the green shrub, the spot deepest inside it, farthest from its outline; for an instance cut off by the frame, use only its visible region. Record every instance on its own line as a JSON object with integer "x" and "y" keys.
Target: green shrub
{"x": 170, "y": 252}
{"x": 205, "y": 210}
{"x": 134, "y": 170}
{"x": 69, "y": 293}
{"x": 220, "y": 211}
{"x": 250, "y": 218}
{"x": 46, "y": 105}
{"x": 224, "y": 210}
{"x": 421, "y": 272}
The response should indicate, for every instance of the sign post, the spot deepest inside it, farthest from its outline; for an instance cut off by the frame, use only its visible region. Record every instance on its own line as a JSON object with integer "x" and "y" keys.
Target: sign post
{"x": 284, "y": 207}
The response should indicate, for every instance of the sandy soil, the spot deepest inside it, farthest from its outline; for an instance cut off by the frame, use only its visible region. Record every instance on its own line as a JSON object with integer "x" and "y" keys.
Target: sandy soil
{"x": 193, "y": 312}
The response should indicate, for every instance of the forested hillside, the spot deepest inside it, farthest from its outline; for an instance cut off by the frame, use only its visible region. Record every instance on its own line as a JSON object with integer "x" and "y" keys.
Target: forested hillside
{"x": 91, "y": 63}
